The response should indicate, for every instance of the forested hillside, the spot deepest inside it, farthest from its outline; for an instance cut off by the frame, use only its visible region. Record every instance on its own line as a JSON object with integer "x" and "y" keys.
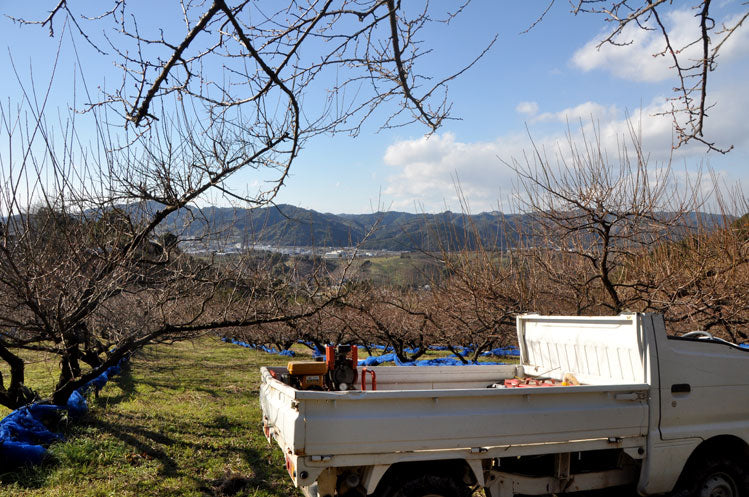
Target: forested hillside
{"x": 286, "y": 225}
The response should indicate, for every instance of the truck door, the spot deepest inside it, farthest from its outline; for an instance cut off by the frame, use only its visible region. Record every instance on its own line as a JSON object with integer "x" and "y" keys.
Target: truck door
{"x": 704, "y": 387}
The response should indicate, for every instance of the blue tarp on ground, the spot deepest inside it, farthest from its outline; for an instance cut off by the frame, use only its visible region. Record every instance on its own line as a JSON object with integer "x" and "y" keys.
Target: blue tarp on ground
{"x": 439, "y": 361}
{"x": 376, "y": 360}
{"x": 510, "y": 350}
{"x": 77, "y": 404}
{"x": 24, "y": 432}
{"x": 16, "y": 454}
{"x": 263, "y": 348}
{"x": 391, "y": 357}
{"x": 25, "y": 425}
{"x": 450, "y": 361}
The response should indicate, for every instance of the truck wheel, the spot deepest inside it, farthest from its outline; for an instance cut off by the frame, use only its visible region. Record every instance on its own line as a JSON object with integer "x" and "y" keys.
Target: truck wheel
{"x": 715, "y": 477}
{"x": 432, "y": 486}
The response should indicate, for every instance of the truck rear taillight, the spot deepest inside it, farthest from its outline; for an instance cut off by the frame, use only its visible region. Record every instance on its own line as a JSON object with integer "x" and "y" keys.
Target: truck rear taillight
{"x": 266, "y": 431}
{"x": 290, "y": 467}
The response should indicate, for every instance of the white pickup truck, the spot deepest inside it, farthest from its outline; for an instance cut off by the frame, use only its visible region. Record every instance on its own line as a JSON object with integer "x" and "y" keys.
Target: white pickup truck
{"x": 639, "y": 408}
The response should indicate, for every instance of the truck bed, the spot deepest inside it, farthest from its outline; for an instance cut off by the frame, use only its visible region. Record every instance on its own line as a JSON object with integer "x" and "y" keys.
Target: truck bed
{"x": 443, "y": 408}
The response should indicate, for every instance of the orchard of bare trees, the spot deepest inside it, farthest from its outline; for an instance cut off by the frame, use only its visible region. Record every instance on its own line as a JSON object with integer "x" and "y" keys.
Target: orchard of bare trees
{"x": 91, "y": 268}
{"x": 609, "y": 236}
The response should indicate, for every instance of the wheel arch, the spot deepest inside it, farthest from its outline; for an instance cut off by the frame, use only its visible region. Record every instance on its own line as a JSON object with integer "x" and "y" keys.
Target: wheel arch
{"x": 461, "y": 469}
{"x": 727, "y": 445}
{"x": 723, "y": 446}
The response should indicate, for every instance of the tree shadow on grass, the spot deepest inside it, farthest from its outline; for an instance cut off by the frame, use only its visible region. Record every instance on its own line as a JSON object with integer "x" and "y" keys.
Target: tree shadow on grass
{"x": 145, "y": 442}
{"x": 28, "y": 477}
{"x": 268, "y": 476}
{"x": 197, "y": 385}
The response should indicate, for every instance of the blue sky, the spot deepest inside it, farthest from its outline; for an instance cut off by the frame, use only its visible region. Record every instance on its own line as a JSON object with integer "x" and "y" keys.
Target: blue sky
{"x": 540, "y": 83}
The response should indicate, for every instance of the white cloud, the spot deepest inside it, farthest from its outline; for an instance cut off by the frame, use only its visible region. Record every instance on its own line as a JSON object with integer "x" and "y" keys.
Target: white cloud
{"x": 725, "y": 125}
{"x": 642, "y": 60}
{"x": 426, "y": 168}
{"x": 527, "y": 108}
{"x": 429, "y": 167}
{"x": 584, "y": 112}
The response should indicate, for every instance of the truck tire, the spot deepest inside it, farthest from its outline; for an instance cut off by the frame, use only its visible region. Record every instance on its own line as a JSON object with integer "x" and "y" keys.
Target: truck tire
{"x": 714, "y": 477}
{"x": 432, "y": 486}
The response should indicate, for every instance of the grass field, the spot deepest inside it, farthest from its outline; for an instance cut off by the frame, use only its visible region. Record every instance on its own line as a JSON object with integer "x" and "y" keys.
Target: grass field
{"x": 410, "y": 270}
{"x": 182, "y": 420}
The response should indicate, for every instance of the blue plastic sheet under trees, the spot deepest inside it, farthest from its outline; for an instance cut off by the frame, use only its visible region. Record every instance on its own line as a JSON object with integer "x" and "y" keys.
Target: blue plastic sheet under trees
{"x": 510, "y": 351}
{"x": 262, "y": 348}
{"x": 25, "y": 432}
{"x": 376, "y": 360}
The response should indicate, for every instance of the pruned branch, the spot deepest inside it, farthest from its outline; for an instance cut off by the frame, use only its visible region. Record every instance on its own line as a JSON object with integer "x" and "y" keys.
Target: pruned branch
{"x": 689, "y": 107}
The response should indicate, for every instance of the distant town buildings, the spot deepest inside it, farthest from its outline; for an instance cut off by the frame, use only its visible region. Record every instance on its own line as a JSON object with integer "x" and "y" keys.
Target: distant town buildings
{"x": 228, "y": 248}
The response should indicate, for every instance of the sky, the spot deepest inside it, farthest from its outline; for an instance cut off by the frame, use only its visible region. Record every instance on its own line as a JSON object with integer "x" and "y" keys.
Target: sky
{"x": 530, "y": 88}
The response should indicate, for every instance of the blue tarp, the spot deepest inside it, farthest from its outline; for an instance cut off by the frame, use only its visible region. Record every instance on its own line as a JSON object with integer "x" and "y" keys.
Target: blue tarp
{"x": 77, "y": 405}
{"x": 510, "y": 350}
{"x": 376, "y": 360}
{"x": 25, "y": 425}
{"x": 17, "y": 454}
{"x": 24, "y": 432}
{"x": 744, "y": 345}
{"x": 439, "y": 361}
{"x": 263, "y": 348}
{"x": 450, "y": 361}
{"x": 391, "y": 357}
{"x": 389, "y": 348}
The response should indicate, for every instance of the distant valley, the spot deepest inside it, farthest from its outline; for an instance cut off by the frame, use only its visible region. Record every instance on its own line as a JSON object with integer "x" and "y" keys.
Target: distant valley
{"x": 291, "y": 229}
{"x": 289, "y": 226}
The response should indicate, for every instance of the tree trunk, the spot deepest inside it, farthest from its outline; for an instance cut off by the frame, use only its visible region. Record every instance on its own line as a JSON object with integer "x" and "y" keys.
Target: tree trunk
{"x": 17, "y": 394}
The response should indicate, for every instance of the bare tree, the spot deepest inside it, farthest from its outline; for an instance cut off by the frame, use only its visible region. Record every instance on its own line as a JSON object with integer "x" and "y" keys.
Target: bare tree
{"x": 692, "y": 60}
{"x": 476, "y": 304}
{"x": 605, "y": 212}
{"x": 73, "y": 287}
{"x": 87, "y": 269}
{"x": 702, "y": 281}
{"x": 396, "y": 318}
{"x": 621, "y": 234}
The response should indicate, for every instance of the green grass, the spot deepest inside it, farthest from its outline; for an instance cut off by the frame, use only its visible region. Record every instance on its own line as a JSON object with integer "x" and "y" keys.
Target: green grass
{"x": 41, "y": 373}
{"x": 182, "y": 420}
{"x": 411, "y": 270}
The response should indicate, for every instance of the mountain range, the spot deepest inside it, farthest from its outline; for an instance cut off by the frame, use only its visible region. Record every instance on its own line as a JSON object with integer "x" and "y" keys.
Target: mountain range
{"x": 290, "y": 226}
{"x": 287, "y": 225}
